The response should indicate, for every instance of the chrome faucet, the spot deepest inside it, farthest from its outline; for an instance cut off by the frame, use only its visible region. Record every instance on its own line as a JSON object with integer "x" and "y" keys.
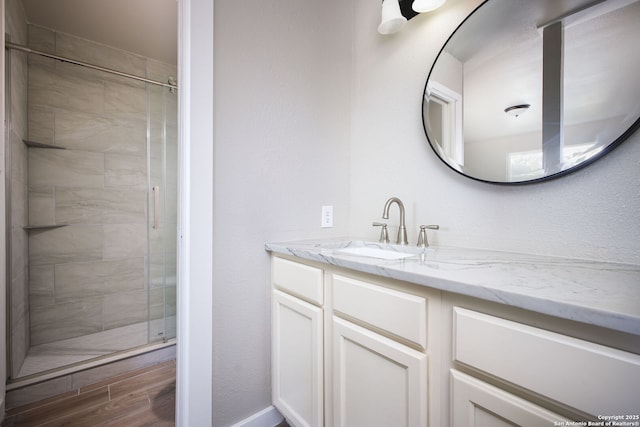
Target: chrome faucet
{"x": 402, "y": 230}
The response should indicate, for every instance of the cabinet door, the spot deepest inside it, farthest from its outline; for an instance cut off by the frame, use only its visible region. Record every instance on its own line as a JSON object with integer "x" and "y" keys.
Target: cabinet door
{"x": 478, "y": 404}
{"x": 376, "y": 381}
{"x": 297, "y": 375}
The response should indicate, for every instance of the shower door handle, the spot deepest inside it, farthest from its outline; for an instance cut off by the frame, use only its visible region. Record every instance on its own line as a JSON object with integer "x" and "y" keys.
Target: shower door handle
{"x": 156, "y": 207}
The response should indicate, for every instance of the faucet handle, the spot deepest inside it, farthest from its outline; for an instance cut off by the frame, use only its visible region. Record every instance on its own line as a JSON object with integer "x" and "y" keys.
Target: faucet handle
{"x": 384, "y": 234}
{"x": 423, "y": 242}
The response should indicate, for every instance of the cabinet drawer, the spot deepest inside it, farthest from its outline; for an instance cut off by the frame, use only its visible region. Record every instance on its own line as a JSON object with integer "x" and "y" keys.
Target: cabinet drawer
{"x": 475, "y": 403}
{"x": 299, "y": 279}
{"x": 399, "y": 313}
{"x": 586, "y": 376}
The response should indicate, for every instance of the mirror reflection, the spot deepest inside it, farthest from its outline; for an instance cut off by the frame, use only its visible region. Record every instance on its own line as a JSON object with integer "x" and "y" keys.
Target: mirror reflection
{"x": 526, "y": 90}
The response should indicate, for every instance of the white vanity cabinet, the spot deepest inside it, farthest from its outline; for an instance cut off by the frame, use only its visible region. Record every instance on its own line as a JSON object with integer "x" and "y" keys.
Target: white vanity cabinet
{"x": 583, "y": 378}
{"x": 354, "y": 349}
{"x": 475, "y": 403}
{"x": 376, "y": 381}
{"x": 297, "y": 342}
{"x": 379, "y": 360}
{"x": 371, "y": 368}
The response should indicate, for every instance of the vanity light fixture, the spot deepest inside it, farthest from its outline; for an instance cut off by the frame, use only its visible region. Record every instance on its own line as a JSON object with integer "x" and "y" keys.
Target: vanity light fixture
{"x": 395, "y": 13}
{"x": 422, "y": 6}
{"x": 517, "y": 110}
{"x": 392, "y": 20}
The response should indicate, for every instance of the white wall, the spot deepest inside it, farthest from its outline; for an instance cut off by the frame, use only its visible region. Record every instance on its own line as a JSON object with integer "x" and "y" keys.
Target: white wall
{"x": 281, "y": 135}
{"x": 313, "y": 107}
{"x": 3, "y": 254}
{"x": 590, "y": 214}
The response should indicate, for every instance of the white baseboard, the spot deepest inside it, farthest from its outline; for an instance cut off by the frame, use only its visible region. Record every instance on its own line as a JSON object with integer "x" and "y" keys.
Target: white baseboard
{"x": 268, "y": 417}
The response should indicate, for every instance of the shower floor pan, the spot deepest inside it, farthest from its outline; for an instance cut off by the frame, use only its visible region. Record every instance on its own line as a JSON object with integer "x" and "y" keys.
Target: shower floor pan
{"x": 44, "y": 357}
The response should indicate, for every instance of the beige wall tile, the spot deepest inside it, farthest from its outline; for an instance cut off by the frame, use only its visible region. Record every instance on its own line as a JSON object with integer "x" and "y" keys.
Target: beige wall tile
{"x": 125, "y": 240}
{"x": 18, "y": 90}
{"x": 170, "y": 300}
{"x": 50, "y": 88}
{"x": 156, "y": 270}
{"x": 125, "y": 100}
{"x": 101, "y": 133}
{"x": 18, "y": 159}
{"x": 65, "y": 168}
{"x": 171, "y": 269}
{"x": 41, "y": 38}
{"x": 163, "y": 239}
{"x": 162, "y": 269}
{"x": 15, "y": 22}
{"x": 68, "y": 320}
{"x": 161, "y": 71}
{"x": 18, "y": 332}
{"x": 42, "y": 61}
{"x": 171, "y": 205}
{"x": 41, "y": 206}
{"x": 156, "y": 161}
{"x": 156, "y": 330}
{"x": 67, "y": 244}
{"x": 157, "y": 107}
{"x": 19, "y": 298}
{"x": 125, "y": 309}
{"x": 100, "y": 206}
{"x": 156, "y": 303}
{"x": 95, "y": 75}
{"x": 19, "y": 204}
{"x": 162, "y": 328}
{"x": 156, "y": 243}
{"x": 122, "y": 170}
{"x": 99, "y": 54}
{"x": 41, "y": 124}
{"x": 19, "y": 250}
{"x": 41, "y": 285}
{"x": 88, "y": 279}
{"x": 19, "y": 344}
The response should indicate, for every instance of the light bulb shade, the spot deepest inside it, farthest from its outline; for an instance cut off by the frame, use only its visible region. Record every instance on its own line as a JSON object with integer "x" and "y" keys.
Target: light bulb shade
{"x": 392, "y": 20}
{"x": 422, "y": 6}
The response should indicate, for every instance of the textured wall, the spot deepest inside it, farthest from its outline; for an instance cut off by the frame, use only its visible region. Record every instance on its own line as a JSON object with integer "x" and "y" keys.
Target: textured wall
{"x": 590, "y": 214}
{"x": 282, "y": 74}
{"x": 91, "y": 275}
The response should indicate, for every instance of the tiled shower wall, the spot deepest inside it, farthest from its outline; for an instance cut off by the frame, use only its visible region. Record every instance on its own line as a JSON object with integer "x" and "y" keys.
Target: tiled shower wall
{"x": 90, "y": 275}
{"x": 16, "y": 28}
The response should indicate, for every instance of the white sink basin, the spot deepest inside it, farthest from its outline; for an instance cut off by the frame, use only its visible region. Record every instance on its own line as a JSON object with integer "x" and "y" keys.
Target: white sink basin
{"x": 369, "y": 252}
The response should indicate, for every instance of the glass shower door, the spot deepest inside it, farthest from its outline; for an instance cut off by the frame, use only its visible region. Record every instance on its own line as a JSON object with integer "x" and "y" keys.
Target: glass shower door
{"x": 163, "y": 186}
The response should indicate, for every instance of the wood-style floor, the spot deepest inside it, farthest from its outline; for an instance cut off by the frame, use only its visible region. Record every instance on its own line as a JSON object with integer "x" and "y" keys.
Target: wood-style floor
{"x": 141, "y": 398}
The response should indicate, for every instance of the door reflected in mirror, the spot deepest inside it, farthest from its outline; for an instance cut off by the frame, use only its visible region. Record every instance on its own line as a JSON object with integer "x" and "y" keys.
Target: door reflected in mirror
{"x": 527, "y": 90}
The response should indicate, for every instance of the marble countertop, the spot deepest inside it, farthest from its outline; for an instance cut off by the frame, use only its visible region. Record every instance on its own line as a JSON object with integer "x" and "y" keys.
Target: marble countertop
{"x": 597, "y": 293}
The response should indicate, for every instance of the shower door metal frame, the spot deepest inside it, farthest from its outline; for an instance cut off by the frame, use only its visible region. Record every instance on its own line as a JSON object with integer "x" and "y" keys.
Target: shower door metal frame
{"x": 169, "y": 84}
{"x": 7, "y": 206}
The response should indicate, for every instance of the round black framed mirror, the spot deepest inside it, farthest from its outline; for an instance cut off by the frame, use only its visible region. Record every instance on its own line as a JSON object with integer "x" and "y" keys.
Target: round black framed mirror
{"x": 529, "y": 90}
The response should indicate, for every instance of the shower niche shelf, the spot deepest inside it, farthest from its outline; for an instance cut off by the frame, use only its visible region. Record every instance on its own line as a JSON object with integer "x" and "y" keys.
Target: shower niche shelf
{"x": 33, "y": 144}
{"x": 42, "y": 227}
